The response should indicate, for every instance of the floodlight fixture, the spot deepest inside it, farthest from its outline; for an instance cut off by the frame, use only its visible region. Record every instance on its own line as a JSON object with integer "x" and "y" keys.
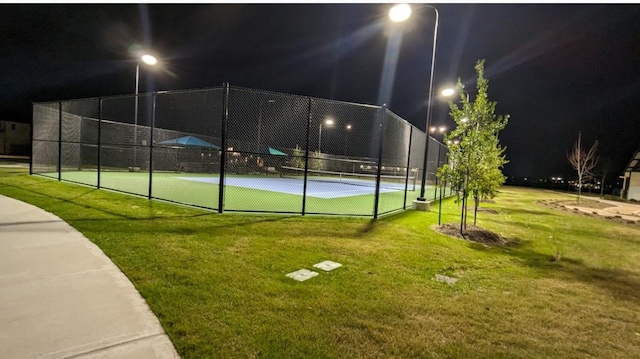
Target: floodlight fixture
{"x": 149, "y": 59}
{"x": 400, "y": 12}
{"x": 448, "y": 92}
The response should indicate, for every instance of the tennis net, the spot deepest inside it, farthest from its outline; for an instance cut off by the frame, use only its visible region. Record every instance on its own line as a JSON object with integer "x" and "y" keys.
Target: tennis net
{"x": 355, "y": 179}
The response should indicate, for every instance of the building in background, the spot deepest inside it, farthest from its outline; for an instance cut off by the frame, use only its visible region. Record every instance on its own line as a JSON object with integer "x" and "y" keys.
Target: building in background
{"x": 631, "y": 186}
{"x": 15, "y": 138}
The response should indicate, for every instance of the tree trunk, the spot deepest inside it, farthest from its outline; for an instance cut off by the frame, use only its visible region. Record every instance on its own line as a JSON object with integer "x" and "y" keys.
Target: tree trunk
{"x": 475, "y": 209}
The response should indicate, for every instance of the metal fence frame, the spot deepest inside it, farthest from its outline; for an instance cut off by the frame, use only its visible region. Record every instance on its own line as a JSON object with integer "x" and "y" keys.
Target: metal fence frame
{"x": 41, "y": 138}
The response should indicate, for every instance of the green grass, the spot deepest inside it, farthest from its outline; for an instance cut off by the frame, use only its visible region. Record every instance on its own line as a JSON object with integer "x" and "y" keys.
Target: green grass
{"x": 217, "y": 282}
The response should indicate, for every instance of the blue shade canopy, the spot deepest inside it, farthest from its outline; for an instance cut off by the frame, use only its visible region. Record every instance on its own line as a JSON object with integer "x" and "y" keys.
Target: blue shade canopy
{"x": 190, "y": 141}
{"x": 273, "y": 151}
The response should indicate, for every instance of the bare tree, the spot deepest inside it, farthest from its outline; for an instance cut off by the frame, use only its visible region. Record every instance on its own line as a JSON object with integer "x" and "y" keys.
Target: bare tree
{"x": 583, "y": 161}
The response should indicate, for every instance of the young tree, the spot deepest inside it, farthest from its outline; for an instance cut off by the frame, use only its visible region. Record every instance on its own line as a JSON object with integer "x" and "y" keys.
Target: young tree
{"x": 315, "y": 160}
{"x": 583, "y": 161}
{"x": 298, "y": 158}
{"x": 476, "y": 160}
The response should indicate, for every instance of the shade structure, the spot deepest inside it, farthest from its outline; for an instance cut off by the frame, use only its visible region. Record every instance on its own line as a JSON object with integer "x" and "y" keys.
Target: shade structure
{"x": 273, "y": 151}
{"x": 190, "y": 141}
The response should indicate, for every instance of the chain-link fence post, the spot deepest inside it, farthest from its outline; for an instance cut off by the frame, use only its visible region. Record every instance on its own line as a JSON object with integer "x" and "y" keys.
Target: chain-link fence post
{"x": 382, "y": 112}
{"x": 99, "y": 141}
{"x": 406, "y": 182}
{"x": 152, "y": 127}
{"x": 31, "y": 136}
{"x": 306, "y": 158}
{"x": 60, "y": 141}
{"x": 223, "y": 139}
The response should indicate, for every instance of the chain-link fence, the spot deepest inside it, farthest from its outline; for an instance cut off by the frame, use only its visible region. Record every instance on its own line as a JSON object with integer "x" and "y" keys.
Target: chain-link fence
{"x": 238, "y": 149}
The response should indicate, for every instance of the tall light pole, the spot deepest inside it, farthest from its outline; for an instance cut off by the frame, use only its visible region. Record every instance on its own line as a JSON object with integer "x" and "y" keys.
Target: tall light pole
{"x": 400, "y": 13}
{"x": 260, "y": 120}
{"x": 151, "y": 61}
{"x": 347, "y": 128}
{"x": 329, "y": 122}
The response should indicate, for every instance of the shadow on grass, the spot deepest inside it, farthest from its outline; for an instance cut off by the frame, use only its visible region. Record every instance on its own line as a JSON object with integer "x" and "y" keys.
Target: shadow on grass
{"x": 524, "y": 211}
{"x": 27, "y": 223}
{"x": 382, "y": 221}
{"x": 621, "y": 284}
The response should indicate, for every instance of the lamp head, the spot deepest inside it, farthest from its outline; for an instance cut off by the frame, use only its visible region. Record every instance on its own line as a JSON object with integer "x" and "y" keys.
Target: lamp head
{"x": 400, "y": 12}
{"x": 448, "y": 92}
{"x": 149, "y": 59}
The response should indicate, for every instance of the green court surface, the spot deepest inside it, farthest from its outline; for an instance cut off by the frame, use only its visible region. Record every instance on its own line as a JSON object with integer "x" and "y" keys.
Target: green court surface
{"x": 249, "y": 193}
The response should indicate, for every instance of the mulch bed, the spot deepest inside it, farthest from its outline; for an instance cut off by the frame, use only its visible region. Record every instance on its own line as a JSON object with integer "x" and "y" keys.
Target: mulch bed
{"x": 472, "y": 233}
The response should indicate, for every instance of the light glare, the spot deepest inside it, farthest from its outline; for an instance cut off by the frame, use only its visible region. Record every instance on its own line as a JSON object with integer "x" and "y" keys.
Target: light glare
{"x": 400, "y": 12}
{"x": 448, "y": 92}
{"x": 149, "y": 59}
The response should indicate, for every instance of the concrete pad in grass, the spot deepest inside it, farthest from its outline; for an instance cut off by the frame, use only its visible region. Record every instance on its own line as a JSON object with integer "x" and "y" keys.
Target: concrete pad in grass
{"x": 327, "y": 265}
{"x": 302, "y": 275}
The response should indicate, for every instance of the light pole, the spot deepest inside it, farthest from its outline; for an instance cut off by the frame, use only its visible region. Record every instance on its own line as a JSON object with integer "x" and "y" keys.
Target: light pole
{"x": 346, "y": 136}
{"x": 400, "y": 13}
{"x": 329, "y": 122}
{"x": 151, "y": 61}
{"x": 260, "y": 120}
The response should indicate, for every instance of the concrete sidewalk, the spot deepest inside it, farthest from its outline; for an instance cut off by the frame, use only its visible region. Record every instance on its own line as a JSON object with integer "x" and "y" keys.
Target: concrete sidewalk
{"x": 61, "y": 297}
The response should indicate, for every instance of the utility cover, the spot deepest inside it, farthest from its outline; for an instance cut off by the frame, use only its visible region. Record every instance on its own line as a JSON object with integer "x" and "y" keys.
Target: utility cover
{"x": 445, "y": 279}
{"x": 302, "y": 275}
{"x": 327, "y": 265}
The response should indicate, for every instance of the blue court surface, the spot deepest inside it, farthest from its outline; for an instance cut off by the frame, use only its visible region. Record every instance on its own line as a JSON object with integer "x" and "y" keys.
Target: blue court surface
{"x": 316, "y": 189}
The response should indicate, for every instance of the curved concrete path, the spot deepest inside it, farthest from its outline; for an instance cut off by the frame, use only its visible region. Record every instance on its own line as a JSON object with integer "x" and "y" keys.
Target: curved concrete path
{"x": 61, "y": 297}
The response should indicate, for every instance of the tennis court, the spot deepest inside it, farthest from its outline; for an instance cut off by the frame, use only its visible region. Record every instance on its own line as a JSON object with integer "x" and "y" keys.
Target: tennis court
{"x": 276, "y": 152}
{"x": 321, "y": 184}
{"x": 249, "y": 193}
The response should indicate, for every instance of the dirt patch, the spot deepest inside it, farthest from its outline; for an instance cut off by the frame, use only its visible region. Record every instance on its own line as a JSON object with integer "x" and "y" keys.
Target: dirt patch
{"x": 572, "y": 208}
{"x": 472, "y": 233}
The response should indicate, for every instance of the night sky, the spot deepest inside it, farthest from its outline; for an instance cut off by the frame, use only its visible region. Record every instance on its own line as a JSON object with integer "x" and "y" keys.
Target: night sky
{"x": 557, "y": 69}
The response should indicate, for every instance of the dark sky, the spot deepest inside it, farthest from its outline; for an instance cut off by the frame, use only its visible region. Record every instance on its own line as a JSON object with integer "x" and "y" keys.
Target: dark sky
{"x": 557, "y": 69}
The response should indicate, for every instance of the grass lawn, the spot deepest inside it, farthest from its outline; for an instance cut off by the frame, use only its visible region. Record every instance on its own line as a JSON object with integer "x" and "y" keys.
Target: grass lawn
{"x": 218, "y": 285}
